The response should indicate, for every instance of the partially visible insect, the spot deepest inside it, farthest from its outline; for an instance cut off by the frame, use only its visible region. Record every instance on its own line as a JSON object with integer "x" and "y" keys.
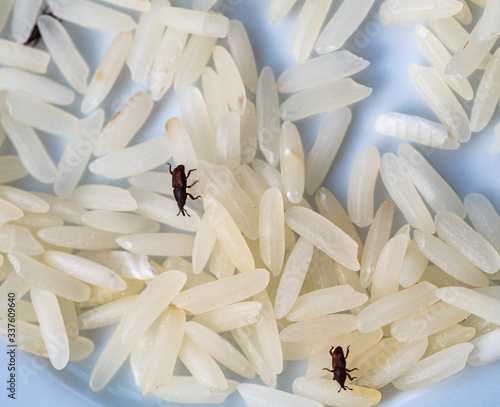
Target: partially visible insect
{"x": 338, "y": 367}
{"x": 179, "y": 184}
{"x": 35, "y": 35}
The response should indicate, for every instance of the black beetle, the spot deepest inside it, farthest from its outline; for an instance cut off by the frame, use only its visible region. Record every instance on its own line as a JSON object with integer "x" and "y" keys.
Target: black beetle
{"x": 179, "y": 184}
{"x": 338, "y": 367}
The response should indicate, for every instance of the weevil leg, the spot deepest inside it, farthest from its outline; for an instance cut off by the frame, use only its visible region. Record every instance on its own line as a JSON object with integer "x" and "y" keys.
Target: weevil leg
{"x": 192, "y": 197}
{"x": 169, "y": 168}
{"x": 350, "y": 378}
{"x": 341, "y": 387}
{"x": 347, "y": 388}
{"x": 350, "y": 370}
{"x": 325, "y": 368}
{"x": 189, "y": 186}
{"x": 347, "y": 353}
{"x": 331, "y": 351}
{"x": 189, "y": 172}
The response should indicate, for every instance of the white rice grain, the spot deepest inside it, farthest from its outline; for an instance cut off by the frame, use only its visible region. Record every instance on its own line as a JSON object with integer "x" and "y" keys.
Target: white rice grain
{"x": 326, "y": 325}
{"x": 195, "y": 22}
{"x": 448, "y": 337}
{"x": 79, "y": 237}
{"x": 186, "y": 389}
{"x": 229, "y": 317}
{"x": 26, "y": 201}
{"x": 154, "y": 181}
{"x": 103, "y": 197}
{"x": 227, "y": 141}
{"x": 248, "y": 133}
{"x": 292, "y": 162}
{"x": 105, "y": 314}
{"x": 22, "y": 56}
{"x": 413, "y": 266}
{"x": 69, "y": 212}
{"x": 157, "y": 244}
{"x": 24, "y": 16}
{"x": 484, "y": 218}
{"x": 215, "y": 98}
{"x": 279, "y": 9}
{"x": 400, "y": 11}
{"x": 9, "y": 212}
{"x": 241, "y": 50}
{"x": 261, "y": 396}
{"x": 485, "y": 349}
{"x": 490, "y": 28}
{"x": 204, "y": 241}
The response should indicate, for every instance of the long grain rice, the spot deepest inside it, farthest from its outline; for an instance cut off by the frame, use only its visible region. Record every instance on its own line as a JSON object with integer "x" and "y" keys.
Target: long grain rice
{"x": 24, "y": 57}
{"x": 399, "y": 11}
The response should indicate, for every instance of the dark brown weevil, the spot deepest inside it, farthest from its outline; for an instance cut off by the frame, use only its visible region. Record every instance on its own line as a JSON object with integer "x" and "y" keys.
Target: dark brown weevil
{"x": 179, "y": 184}
{"x": 338, "y": 367}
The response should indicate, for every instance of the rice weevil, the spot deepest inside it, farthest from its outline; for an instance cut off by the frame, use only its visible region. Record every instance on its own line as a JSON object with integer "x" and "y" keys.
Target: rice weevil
{"x": 338, "y": 367}
{"x": 179, "y": 184}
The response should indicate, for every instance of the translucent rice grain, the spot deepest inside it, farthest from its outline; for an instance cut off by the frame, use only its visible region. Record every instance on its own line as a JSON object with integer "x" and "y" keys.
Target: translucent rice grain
{"x": 5, "y": 9}
{"x": 104, "y": 197}
{"x": 147, "y": 37}
{"x": 196, "y": 121}
{"x": 107, "y": 72}
{"x": 166, "y": 62}
{"x": 386, "y": 275}
{"x": 24, "y": 17}
{"x": 439, "y": 57}
{"x": 100, "y": 295}
{"x": 309, "y": 102}
{"x": 210, "y": 296}
{"x": 242, "y": 53}
{"x": 464, "y": 16}
{"x": 125, "y": 264}
{"x": 416, "y": 129}
{"x": 329, "y": 207}
{"x": 221, "y": 266}
{"x": 395, "y": 306}
{"x": 450, "y": 32}
{"x": 165, "y": 349}
{"x": 76, "y": 155}
{"x": 360, "y": 194}
{"x": 386, "y": 370}
{"x": 490, "y": 27}
{"x": 467, "y": 241}
{"x": 272, "y": 230}
{"x": 401, "y": 11}
{"x": 215, "y": 98}
{"x": 41, "y": 115}
{"x": 484, "y": 218}
{"x": 405, "y": 196}
{"x": 12, "y": 79}
{"x": 326, "y": 391}
{"x": 92, "y": 15}
{"x": 40, "y": 275}
{"x": 178, "y": 263}
{"x": 68, "y": 211}
{"x": 22, "y": 56}
{"x": 470, "y": 54}
{"x": 26, "y": 201}
{"x": 221, "y": 350}
{"x": 105, "y": 314}
{"x": 79, "y": 237}
{"x": 154, "y": 181}
{"x": 84, "y": 270}
{"x": 307, "y": 28}
{"x": 449, "y": 260}
{"x": 112, "y": 357}
{"x": 13, "y": 284}
{"x": 150, "y": 304}
{"x": 195, "y": 22}
{"x": 139, "y": 5}
{"x": 70, "y": 318}
{"x": 248, "y": 133}
{"x": 479, "y": 304}
{"x": 30, "y": 149}
{"x": 485, "y": 349}
{"x": 64, "y": 52}
{"x": 413, "y": 266}
{"x": 221, "y": 184}
{"x": 51, "y": 326}
{"x": 434, "y": 368}
{"x": 247, "y": 340}
{"x": 434, "y": 189}
{"x": 448, "y": 337}
{"x": 292, "y": 162}
{"x": 125, "y": 124}
{"x": 184, "y": 389}
{"x": 279, "y": 9}
{"x": 293, "y": 277}
{"x": 487, "y": 95}
{"x": 441, "y": 100}
{"x": 325, "y": 301}
{"x": 331, "y": 325}
{"x": 231, "y": 79}
{"x": 268, "y": 115}
{"x": 426, "y": 322}
{"x": 229, "y": 317}
{"x": 201, "y": 365}
{"x": 18, "y": 238}
{"x": 132, "y": 160}
{"x": 157, "y": 244}
{"x": 342, "y": 25}
{"x": 261, "y": 396}
{"x": 204, "y": 241}
{"x": 194, "y": 58}
{"x": 324, "y": 235}
{"x": 10, "y": 212}
{"x": 227, "y": 141}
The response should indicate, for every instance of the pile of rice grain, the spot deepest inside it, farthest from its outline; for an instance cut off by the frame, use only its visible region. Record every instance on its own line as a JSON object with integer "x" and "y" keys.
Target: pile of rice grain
{"x": 260, "y": 273}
